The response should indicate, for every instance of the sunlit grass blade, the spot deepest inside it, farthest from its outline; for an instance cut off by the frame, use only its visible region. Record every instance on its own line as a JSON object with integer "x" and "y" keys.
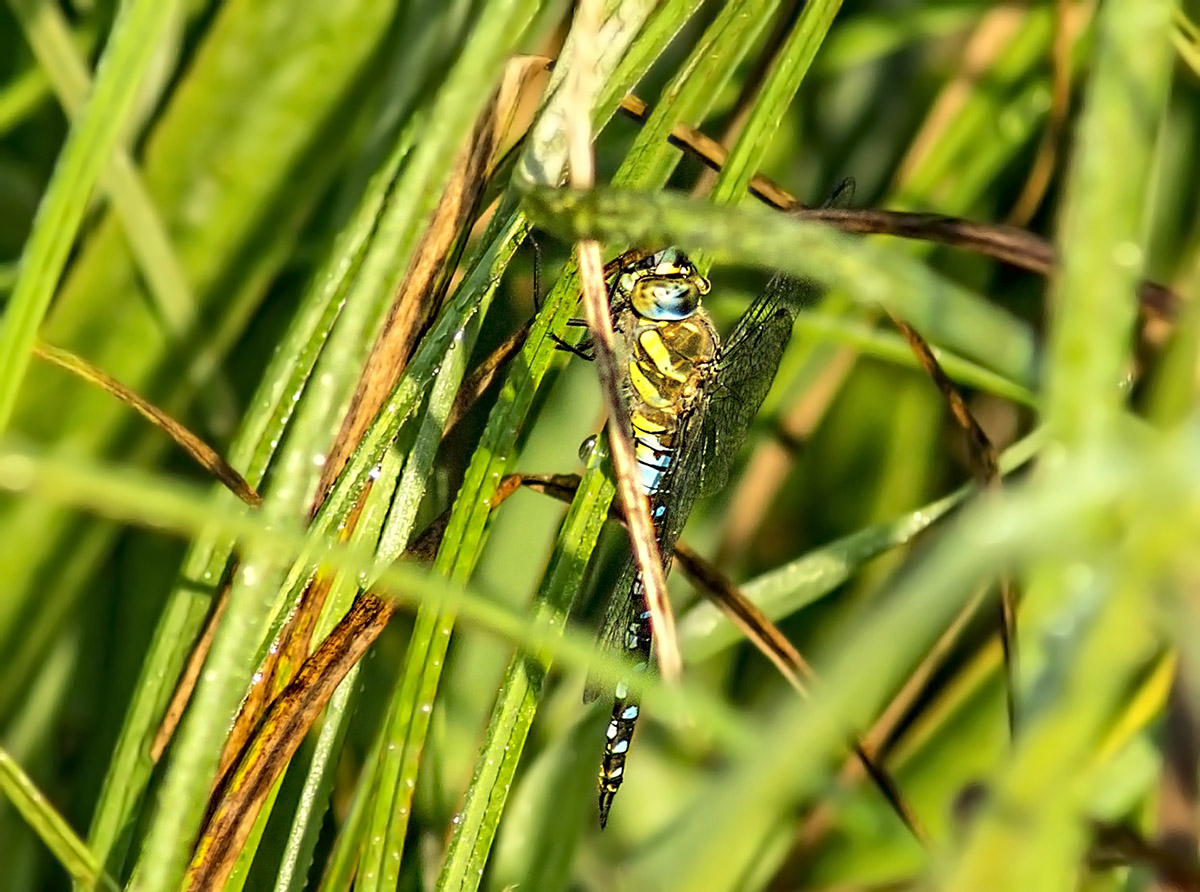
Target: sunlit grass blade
{"x": 947, "y": 314}
{"x": 70, "y": 851}
{"x": 100, "y": 125}
{"x": 794, "y": 585}
{"x": 517, "y": 702}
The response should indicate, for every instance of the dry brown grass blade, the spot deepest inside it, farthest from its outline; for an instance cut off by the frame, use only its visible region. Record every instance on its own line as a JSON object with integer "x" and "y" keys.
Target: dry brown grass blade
{"x": 278, "y": 736}
{"x": 1068, "y": 23}
{"x": 289, "y": 652}
{"x": 418, "y": 299}
{"x": 581, "y": 166}
{"x": 985, "y": 467}
{"x": 1008, "y": 244}
{"x": 204, "y": 455}
{"x": 239, "y": 798}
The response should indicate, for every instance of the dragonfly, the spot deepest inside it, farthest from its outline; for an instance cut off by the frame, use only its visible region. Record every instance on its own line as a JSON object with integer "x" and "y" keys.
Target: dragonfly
{"x": 691, "y": 399}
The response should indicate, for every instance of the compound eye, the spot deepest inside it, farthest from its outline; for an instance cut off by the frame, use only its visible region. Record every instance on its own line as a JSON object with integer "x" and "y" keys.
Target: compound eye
{"x": 666, "y": 300}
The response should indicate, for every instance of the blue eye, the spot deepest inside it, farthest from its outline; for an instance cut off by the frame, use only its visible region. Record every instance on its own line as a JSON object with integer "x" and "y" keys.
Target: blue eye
{"x": 666, "y": 287}
{"x": 666, "y": 299}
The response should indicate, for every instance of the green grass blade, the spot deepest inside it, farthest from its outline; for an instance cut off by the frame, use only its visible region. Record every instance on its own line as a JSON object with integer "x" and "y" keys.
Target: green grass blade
{"x": 944, "y": 313}
{"x": 1104, "y": 221}
{"x": 70, "y": 851}
{"x": 516, "y": 704}
{"x": 84, "y": 156}
{"x": 705, "y": 631}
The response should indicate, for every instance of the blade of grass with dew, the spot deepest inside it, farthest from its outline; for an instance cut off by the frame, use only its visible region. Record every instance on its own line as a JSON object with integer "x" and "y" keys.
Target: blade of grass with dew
{"x": 477, "y": 822}
{"x": 380, "y": 272}
{"x": 69, "y": 850}
{"x": 492, "y": 257}
{"x": 262, "y": 429}
{"x": 414, "y": 190}
{"x": 88, "y": 148}
{"x": 297, "y": 856}
{"x": 943, "y": 312}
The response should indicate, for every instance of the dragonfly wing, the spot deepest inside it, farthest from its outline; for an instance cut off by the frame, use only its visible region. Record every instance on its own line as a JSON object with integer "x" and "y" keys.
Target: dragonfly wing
{"x": 746, "y": 367}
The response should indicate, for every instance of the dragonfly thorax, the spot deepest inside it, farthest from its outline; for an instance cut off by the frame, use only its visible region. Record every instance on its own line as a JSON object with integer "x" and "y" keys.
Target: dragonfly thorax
{"x": 668, "y": 357}
{"x": 668, "y": 365}
{"x": 668, "y": 341}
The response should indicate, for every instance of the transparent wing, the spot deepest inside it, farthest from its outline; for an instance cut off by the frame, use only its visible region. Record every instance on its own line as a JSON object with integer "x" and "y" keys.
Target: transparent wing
{"x": 745, "y": 369}
{"x": 678, "y": 490}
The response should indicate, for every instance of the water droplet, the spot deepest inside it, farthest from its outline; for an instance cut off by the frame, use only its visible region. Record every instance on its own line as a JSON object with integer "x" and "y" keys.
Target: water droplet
{"x": 1128, "y": 255}
{"x": 587, "y": 449}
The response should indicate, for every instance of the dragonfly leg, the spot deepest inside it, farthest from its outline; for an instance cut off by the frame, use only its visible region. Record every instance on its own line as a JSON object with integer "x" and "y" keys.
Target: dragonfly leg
{"x": 583, "y": 351}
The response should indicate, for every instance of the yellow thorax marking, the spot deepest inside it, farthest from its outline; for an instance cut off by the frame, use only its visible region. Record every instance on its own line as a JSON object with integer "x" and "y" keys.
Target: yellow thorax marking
{"x": 652, "y": 342}
{"x": 646, "y": 426}
{"x": 645, "y": 388}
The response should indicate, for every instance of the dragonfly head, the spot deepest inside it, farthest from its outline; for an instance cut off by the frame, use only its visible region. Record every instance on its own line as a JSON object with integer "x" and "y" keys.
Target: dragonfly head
{"x": 665, "y": 286}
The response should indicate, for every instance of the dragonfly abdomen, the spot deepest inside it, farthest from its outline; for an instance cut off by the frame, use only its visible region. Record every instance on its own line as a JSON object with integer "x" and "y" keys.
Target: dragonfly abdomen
{"x": 654, "y": 461}
{"x": 625, "y": 711}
